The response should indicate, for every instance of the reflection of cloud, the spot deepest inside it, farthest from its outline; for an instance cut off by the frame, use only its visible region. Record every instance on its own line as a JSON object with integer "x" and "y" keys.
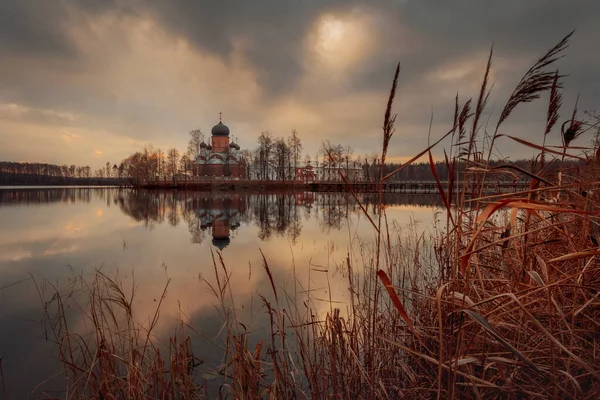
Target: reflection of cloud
{"x": 70, "y": 227}
{"x": 12, "y": 254}
{"x": 61, "y": 250}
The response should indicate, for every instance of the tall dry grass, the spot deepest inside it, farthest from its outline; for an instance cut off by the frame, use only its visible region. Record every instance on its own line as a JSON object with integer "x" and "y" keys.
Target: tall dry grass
{"x": 116, "y": 356}
{"x": 501, "y": 302}
{"x": 513, "y": 309}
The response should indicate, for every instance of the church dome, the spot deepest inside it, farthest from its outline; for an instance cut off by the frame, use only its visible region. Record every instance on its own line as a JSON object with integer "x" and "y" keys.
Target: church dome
{"x": 202, "y": 145}
{"x": 221, "y": 243}
{"x": 232, "y": 145}
{"x": 220, "y": 130}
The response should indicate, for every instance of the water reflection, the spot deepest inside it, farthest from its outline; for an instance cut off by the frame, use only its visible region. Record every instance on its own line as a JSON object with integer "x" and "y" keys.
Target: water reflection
{"x": 220, "y": 214}
{"x": 147, "y": 237}
{"x": 32, "y": 196}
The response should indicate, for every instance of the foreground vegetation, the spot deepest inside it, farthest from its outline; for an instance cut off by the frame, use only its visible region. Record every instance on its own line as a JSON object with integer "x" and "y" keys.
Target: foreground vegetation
{"x": 501, "y": 302}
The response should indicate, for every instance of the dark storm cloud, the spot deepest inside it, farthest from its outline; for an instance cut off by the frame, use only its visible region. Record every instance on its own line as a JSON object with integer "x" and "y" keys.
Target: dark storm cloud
{"x": 450, "y": 30}
{"x": 273, "y": 31}
{"x": 33, "y": 27}
{"x": 38, "y": 27}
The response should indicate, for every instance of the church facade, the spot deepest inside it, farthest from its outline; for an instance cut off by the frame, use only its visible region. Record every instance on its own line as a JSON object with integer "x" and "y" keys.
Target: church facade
{"x": 220, "y": 158}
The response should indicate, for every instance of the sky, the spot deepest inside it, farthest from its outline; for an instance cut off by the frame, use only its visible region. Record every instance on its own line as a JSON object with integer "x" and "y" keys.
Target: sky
{"x": 88, "y": 81}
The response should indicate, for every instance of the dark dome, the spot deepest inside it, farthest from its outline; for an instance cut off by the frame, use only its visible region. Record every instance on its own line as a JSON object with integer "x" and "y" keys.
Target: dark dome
{"x": 220, "y": 130}
{"x": 209, "y": 147}
{"x": 220, "y": 243}
{"x": 202, "y": 145}
{"x": 232, "y": 144}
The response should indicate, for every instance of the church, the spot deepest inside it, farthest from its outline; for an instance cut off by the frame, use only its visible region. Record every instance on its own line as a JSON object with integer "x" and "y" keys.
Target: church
{"x": 221, "y": 158}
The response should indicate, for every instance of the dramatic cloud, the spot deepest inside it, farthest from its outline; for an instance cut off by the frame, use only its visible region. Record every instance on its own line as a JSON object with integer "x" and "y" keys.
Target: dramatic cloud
{"x": 87, "y": 82}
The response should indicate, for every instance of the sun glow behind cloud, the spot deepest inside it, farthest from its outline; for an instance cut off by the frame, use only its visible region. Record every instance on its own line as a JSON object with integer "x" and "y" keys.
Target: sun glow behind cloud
{"x": 341, "y": 42}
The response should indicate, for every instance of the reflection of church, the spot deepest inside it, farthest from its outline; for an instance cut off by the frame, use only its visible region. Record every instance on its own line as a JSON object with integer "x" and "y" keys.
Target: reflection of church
{"x": 220, "y": 158}
{"x": 221, "y": 215}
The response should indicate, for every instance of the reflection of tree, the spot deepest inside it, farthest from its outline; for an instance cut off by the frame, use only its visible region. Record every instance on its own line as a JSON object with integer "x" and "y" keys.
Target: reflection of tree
{"x": 295, "y": 227}
{"x": 189, "y": 207}
{"x": 195, "y": 229}
{"x": 261, "y": 211}
{"x": 277, "y": 213}
{"x": 173, "y": 213}
{"x": 144, "y": 206}
{"x": 334, "y": 211}
{"x": 274, "y": 214}
{"x": 45, "y": 196}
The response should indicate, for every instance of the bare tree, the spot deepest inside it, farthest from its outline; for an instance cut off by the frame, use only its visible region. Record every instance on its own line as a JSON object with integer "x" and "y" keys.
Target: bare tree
{"x": 263, "y": 154}
{"x": 373, "y": 168}
{"x": 172, "y": 161}
{"x": 281, "y": 158}
{"x": 295, "y": 150}
{"x": 348, "y": 152}
{"x": 332, "y": 155}
{"x": 185, "y": 164}
{"x": 246, "y": 160}
{"x": 194, "y": 143}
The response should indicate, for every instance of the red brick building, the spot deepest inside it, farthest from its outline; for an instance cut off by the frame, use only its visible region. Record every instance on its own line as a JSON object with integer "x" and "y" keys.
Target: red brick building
{"x": 306, "y": 174}
{"x": 221, "y": 158}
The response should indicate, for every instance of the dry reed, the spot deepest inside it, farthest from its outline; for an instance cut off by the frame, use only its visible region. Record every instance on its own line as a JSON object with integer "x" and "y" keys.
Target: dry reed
{"x": 502, "y": 301}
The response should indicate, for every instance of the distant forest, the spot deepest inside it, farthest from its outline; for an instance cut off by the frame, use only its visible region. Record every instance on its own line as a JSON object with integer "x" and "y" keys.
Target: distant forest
{"x": 15, "y": 173}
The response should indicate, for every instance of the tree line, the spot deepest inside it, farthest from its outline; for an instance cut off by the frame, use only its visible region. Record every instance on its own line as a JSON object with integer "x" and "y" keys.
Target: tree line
{"x": 24, "y": 173}
{"x": 272, "y": 158}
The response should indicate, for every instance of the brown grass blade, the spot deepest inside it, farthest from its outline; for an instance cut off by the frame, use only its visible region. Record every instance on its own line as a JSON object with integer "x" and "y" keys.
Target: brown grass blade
{"x": 554, "y": 103}
{"x": 535, "y": 81}
{"x": 490, "y": 329}
{"x": 575, "y": 256}
{"x": 528, "y": 205}
{"x": 268, "y": 270}
{"x": 537, "y": 278}
{"x": 397, "y": 303}
{"x": 482, "y": 100}
{"x": 440, "y": 187}
{"x": 522, "y": 203}
{"x": 551, "y": 337}
{"x": 463, "y": 374}
{"x": 524, "y": 172}
{"x": 389, "y": 120}
{"x": 541, "y": 148}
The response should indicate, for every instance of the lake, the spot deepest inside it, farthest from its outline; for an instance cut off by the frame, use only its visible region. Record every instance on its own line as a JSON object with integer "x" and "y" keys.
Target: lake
{"x": 53, "y": 239}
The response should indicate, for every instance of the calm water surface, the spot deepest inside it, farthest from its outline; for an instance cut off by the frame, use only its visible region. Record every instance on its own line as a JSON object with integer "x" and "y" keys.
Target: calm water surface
{"x": 50, "y": 235}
